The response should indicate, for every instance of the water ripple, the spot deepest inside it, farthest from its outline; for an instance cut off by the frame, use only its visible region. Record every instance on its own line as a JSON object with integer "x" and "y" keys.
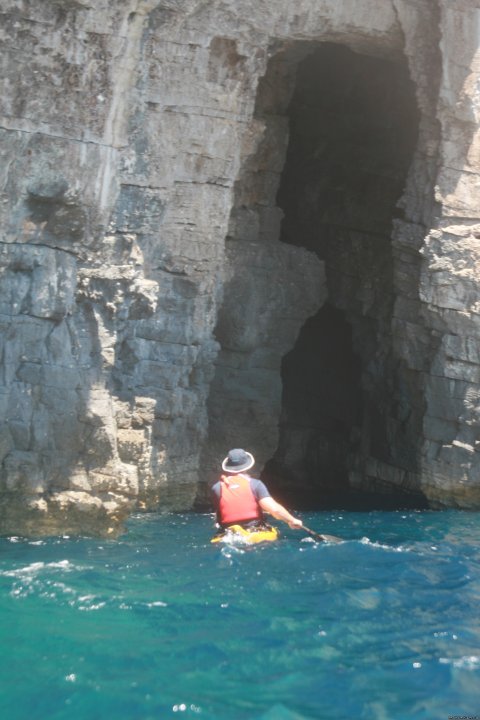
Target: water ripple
{"x": 161, "y": 624}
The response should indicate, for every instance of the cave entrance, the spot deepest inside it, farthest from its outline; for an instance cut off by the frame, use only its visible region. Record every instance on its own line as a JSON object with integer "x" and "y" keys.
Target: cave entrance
{"x": 307, "y": 377}
{"x": 321, "y": 412}
{"x": 353, "y": 125}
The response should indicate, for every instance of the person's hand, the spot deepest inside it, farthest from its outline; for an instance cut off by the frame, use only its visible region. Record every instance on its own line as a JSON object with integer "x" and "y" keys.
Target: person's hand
{"x": 295, "y": 524}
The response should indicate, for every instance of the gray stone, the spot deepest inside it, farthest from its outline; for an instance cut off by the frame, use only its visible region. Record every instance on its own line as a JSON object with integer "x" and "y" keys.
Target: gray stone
{"x": 158, "y": 273}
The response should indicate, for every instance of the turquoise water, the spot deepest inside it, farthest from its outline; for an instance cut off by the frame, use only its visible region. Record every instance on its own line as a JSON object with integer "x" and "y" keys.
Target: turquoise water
{"x": 162, "y": 624}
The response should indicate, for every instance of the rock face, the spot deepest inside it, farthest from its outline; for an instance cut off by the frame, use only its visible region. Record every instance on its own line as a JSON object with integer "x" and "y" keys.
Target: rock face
{"x": 248, "y": 224}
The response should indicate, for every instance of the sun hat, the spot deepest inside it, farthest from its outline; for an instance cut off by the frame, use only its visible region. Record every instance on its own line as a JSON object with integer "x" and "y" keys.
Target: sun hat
{"x": 238, "y": 460}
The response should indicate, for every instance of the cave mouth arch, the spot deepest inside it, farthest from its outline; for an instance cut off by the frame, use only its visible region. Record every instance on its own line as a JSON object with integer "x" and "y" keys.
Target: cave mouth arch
{"x": 353, "y": 126}
{"x": 335, "y": 134}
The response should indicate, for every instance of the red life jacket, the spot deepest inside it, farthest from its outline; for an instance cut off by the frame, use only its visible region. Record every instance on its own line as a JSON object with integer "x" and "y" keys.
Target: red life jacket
{"x": 237, "y": 501}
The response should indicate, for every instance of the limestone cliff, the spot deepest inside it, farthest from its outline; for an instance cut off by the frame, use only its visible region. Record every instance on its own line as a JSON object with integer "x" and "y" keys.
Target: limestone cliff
{"x": 236, "y": 224}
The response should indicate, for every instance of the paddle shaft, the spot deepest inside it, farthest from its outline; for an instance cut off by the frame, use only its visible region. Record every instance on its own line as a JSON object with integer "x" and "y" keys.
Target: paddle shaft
{"x": 320, "y": 537}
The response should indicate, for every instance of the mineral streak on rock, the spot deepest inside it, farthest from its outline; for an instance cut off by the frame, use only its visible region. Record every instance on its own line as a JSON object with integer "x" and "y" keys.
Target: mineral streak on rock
{"x": 162, "y": 250}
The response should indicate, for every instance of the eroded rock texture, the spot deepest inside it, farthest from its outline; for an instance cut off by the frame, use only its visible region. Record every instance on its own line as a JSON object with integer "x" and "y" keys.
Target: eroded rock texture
{"x": 236, "y": 224}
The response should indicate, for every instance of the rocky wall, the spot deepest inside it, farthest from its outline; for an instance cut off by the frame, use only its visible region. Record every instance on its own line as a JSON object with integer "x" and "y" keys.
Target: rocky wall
{"x": 145, "y": 293}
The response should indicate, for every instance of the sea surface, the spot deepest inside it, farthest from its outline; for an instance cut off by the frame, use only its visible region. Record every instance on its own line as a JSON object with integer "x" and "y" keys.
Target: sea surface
{"x": 160, "y": 623}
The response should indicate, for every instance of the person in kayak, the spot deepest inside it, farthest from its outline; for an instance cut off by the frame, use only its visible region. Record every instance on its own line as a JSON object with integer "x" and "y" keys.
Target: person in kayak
{"x": 242, "y": 500}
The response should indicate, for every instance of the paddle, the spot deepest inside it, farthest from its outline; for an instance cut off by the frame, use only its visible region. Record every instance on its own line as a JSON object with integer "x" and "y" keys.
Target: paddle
{"x": 320, "y": 537}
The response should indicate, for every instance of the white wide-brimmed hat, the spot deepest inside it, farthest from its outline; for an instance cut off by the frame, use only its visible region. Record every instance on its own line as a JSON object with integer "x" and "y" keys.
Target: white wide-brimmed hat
{"x": 238, "y": 460}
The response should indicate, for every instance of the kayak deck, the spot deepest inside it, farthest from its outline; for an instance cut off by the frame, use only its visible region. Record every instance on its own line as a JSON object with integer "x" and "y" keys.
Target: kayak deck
{"x": 238, "y": 535}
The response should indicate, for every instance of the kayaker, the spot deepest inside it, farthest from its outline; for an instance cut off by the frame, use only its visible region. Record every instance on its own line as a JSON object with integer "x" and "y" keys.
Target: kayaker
{"x": 242, "y": 500}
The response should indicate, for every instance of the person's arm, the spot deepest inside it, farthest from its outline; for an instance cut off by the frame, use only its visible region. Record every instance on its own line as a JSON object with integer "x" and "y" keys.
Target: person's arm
{"x": 271, "y": 506}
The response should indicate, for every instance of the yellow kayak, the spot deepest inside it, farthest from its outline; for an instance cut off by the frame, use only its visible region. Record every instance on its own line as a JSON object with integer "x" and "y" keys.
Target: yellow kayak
{"x": 237, "y": 535}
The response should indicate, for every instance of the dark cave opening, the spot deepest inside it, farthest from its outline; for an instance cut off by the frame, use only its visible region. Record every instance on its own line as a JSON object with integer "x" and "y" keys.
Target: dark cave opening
{"x": 321, "y": 409}
{"x": 347, "y": 404}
